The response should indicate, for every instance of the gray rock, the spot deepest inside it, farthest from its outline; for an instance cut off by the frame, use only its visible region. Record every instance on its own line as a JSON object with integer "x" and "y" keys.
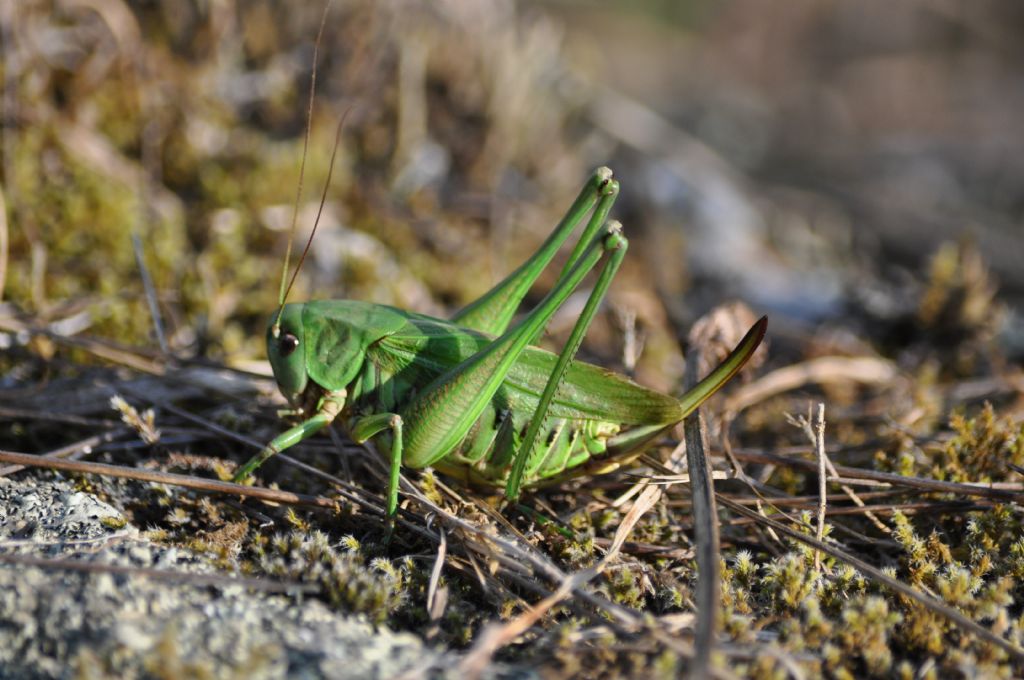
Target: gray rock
{"x": 60, "y": 623}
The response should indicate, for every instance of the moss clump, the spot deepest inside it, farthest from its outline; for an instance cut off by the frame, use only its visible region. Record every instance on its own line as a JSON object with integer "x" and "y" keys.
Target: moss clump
{"x": 982, "y": 449}
{"x": 867, "y": 627}
{"x": 628, "y": 587}
{"x": 834, "y": 616}
{"x": 375, "y": 590}
{"x": 112, "y": 522}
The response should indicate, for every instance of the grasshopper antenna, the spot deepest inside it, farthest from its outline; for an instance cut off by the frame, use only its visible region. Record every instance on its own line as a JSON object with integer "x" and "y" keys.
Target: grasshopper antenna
{"x": 286, "y": 287}
{"x": 319, "y": 212}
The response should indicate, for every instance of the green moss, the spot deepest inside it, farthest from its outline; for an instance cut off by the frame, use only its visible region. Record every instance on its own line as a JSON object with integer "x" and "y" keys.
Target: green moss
{"x": 867, "y": 626}
{"x": 628, "y": 587}
{"x": 376, "y": 589}
{"x": 69, "y": 211}
{"x": 982, "y": 449}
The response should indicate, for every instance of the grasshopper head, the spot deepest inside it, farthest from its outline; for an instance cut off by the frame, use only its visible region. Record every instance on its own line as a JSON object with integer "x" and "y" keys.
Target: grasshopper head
{"x": 287, "y": 354}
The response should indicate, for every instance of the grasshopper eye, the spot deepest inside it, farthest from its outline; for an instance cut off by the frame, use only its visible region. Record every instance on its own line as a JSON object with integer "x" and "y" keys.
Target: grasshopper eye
{"x": 288, "y": 344}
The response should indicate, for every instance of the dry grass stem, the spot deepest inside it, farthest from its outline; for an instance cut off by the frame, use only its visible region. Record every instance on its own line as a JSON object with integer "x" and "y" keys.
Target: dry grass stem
{"x": 815, "y": 433}
{"x": 1006, "y": 491}
{"x": 198, "y": 483}
{"x": 822, "y": 370}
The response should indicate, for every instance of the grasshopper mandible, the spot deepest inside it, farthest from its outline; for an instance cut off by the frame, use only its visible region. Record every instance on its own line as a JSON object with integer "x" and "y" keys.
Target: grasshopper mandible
{"x": 471, "y": 396}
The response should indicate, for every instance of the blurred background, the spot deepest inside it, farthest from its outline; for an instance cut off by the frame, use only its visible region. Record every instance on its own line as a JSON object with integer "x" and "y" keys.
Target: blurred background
{"x": 854, "y": 169}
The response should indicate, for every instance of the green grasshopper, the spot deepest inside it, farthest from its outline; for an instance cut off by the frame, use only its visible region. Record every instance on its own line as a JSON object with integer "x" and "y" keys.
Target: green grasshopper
{"x": 471, "y": 396}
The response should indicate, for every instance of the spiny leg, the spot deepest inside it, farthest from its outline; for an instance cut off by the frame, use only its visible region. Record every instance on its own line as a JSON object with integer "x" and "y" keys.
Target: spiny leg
{"x": 441, "y": 415}
{"x": 616, "y": 244}
{"x": 493, "y": 311}
{"x": 327, "y": 410}
{"x": 372, "y": 425}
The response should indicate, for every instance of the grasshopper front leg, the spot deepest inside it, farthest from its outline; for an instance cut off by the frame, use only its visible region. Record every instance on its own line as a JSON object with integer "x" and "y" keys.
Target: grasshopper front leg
{"x": 330, "y": 405}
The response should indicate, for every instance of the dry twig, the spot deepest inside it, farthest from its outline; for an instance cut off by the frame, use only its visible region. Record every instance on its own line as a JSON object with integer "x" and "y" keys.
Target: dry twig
{"x": 816, "y": 434}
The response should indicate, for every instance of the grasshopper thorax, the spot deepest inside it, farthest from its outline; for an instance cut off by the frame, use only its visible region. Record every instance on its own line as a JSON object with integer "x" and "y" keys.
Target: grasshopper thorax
{"x": 286, "y": 352}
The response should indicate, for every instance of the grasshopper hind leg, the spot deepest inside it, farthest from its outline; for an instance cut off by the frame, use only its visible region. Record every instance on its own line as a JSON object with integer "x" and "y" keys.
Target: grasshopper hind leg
{"x": 615, "y": 244}
{"x": 493, "y": 311}
{"x": 443, "y": 413}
